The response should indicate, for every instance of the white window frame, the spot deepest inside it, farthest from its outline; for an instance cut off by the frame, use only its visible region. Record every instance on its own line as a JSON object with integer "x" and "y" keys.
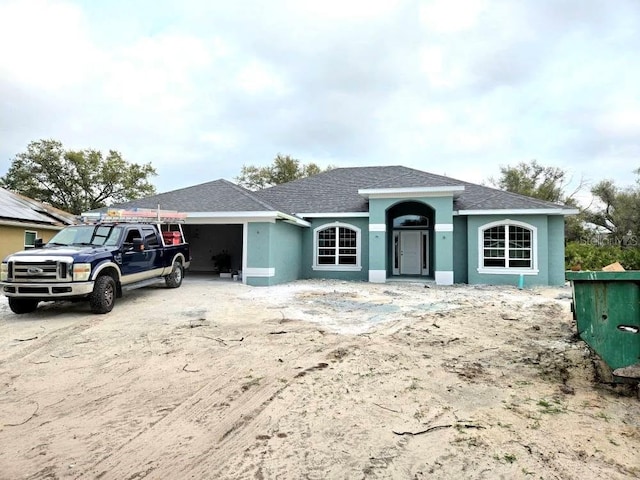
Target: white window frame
{"x": 35, "y": 237}
{"x": 533, "y": 270}
{"x": 337, "y": 267}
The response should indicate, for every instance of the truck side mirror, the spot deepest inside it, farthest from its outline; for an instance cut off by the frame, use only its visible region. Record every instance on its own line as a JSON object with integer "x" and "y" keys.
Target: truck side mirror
{"x": 138, "y": 244}
{"x": 38, "y": 243}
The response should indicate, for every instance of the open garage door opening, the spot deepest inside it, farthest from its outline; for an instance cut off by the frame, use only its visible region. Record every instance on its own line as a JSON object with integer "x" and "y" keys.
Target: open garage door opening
{"x": 216, "y": 249}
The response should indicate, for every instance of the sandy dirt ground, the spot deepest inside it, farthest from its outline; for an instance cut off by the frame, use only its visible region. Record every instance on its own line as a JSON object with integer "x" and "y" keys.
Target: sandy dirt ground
{"x": 310, "y": 380}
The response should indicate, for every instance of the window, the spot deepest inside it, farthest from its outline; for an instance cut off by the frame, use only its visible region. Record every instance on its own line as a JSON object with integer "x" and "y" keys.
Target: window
{"x": 411, "y": 221}
{"x": 507, "y": 247}
{"x": 337, "y": 247}
{"x": 29, "y": 239}
{"x": 150, "y": 237}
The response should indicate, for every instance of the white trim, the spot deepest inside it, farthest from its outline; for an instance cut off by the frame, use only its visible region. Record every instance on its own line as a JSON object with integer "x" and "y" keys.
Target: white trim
{"x": 378, "y": 276}
{"x": 44, "y": 226}
{"x": 521, "y": 211}
{"x": 334, "y": 215}
{"x": 377, "y": 227}
{"x": 241, "y": 217}
{"x": 443, "y": 227}
{"x": 506, "y": 270}
{"x": 410, "y": 192}
{"x": 258, "y": 272}
{"x": 337, "y": 267}
{"x": 245, "y": 250}
{"x": 444, "y": 277}
{"x": 240, "y": 214}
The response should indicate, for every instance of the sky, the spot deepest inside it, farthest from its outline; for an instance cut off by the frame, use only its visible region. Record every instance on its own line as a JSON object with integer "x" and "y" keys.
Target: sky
{"x": 199, "y": 88}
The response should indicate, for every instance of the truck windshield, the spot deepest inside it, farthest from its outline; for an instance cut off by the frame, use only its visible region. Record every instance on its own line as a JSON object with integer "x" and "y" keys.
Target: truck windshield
{"x": 98, "y": 235}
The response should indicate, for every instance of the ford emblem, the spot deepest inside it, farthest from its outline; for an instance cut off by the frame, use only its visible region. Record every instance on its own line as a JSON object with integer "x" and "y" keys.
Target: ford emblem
{"x": 34, "y": 271}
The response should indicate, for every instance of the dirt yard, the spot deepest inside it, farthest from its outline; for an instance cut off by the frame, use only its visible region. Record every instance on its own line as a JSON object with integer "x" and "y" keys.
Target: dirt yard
{"x": 315, "y": 380}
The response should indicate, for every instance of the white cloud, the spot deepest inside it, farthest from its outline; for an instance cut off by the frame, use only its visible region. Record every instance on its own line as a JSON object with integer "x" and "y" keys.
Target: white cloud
{"x": 50, "y": 45}
{"x": 450, "y": 16}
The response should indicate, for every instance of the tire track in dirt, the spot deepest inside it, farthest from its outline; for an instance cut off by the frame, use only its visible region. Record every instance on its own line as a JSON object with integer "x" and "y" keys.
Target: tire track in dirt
{"x": 222, "y": 419}
{"x": 51, "y": 339}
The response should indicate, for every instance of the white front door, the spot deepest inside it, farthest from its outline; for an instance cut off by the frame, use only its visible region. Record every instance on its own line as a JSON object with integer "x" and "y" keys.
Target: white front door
{"x": 410, "y": 252}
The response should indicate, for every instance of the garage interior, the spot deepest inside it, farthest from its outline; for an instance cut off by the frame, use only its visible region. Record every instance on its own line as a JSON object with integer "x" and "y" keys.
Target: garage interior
{"x": 210, "y": 243}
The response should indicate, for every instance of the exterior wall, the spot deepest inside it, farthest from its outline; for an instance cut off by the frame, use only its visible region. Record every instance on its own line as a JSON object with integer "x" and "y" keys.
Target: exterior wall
{"x": 545, "y": 238}
{"x": 460, "y": 253}
{"x": 286, "y": 254}
{"x": 442, "y": 258}
{"x": 556, "y": 250}
{"x": 308, "y": 253}
{"x": 12, "y": 238}
{"x": 259, "y": 271}
{"x": 273, "y": 253}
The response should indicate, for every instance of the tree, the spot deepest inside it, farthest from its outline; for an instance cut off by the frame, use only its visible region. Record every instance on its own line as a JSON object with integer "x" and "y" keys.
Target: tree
{"x": 533, "y": 180}
{"x": 619, "y": 212}
{"x": 76, "y": 181}
{"x": 545, "y": 183}
{"x": 283, "y": 169}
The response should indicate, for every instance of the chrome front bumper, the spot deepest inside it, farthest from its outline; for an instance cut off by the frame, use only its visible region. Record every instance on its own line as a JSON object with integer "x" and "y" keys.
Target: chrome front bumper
{"x": 46, "y": 290}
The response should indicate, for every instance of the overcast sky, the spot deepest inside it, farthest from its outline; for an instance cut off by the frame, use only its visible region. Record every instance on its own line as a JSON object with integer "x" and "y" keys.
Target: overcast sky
{"x": 201, "y": 87}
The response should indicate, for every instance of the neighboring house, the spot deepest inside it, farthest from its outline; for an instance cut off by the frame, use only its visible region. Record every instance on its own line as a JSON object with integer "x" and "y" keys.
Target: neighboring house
{"x": 23, "y": 220}
{"x": 375, "y": 224}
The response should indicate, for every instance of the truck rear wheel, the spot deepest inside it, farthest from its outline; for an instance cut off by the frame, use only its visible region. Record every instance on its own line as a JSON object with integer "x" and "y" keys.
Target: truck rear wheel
{"x": 174, "y": 279}
{"x": 22, "y": 305}
{"x": 103, "y": 296}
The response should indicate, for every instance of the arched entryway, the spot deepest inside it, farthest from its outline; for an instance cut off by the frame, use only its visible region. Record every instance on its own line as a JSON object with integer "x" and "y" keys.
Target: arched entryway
{"x": 410, "y": 230}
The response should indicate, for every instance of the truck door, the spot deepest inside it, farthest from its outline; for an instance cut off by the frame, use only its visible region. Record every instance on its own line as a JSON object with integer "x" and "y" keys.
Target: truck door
{"x": 134, "y": 261}
{"x": 153, "y": 250}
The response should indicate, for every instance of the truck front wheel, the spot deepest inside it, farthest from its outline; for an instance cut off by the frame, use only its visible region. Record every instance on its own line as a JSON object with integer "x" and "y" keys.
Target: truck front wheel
{"x": 174, "y": 279}
{"x": 22, "y": 305}
{"x": 103, "y": 296}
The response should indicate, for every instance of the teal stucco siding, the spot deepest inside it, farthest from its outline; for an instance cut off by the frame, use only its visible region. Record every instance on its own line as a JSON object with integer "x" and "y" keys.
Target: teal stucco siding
{"x": 460, "y": 254}
{"x": 441, "y": 238}
{"x": 286, "y": 254}
{"x": 547, "y": 264}
{"x": 556, "y": 250}
{"x": 274, "y": 252}
{"x": 308, "y": 253}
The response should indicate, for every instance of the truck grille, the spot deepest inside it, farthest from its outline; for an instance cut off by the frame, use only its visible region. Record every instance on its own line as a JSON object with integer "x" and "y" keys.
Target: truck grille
{"x": 47, "y": 271}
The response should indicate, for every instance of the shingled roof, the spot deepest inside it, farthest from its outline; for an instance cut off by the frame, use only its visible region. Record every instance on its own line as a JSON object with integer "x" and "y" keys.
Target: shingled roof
{"x": 217, "y": 196}
{"x": 334, "y": 191}
{"x": 337, "y": 191}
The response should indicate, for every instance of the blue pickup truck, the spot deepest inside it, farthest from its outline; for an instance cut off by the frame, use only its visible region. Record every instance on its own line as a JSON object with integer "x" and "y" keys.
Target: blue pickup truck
{"x": 95, "y": 262}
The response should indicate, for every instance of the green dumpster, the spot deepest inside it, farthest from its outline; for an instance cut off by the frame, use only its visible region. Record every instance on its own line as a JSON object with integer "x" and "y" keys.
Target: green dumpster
{"x": 606, "y": 307}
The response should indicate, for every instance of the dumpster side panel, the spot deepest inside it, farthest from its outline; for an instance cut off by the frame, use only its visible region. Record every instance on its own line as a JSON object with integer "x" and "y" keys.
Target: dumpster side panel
{"x": 607, "y": 311}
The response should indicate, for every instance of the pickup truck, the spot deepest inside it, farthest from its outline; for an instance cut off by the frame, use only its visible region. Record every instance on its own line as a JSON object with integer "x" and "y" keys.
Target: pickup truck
{"x": 95, "y": 262}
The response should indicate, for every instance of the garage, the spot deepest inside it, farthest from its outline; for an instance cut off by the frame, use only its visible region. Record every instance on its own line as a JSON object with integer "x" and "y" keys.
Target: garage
{"x": 215, "y": 248}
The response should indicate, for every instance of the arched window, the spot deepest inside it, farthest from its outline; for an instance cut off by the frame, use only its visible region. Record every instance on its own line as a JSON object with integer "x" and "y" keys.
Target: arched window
{"x": 337, "y": 246}
{"x": 507, "y": 247}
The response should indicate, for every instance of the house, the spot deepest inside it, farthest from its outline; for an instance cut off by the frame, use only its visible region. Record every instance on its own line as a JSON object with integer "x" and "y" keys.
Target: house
{"x": 23, "y": 220}
{"x": 372, "y": 224}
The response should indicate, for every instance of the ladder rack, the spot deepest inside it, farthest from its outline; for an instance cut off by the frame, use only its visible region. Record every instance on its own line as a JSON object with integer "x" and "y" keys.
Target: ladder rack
{"x": 137, "y": 215}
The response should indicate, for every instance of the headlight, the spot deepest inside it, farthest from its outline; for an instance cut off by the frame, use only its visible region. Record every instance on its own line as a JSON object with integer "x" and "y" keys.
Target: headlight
{"x": 4, "y": 272}
{"x": 81, "y": 272}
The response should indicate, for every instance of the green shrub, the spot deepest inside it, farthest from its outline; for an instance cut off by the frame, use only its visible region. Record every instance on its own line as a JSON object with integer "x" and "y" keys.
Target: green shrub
{"x": 593, "y": 257}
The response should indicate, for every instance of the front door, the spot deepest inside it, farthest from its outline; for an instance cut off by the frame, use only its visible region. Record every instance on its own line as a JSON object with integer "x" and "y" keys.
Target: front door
{"x": 410, "y": 258}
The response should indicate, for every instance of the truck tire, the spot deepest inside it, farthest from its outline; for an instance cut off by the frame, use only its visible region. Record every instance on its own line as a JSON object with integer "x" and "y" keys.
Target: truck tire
{"x": 103, "y": 297}
{"x": 22, "y": 305}
{"x": 174, "y": 279}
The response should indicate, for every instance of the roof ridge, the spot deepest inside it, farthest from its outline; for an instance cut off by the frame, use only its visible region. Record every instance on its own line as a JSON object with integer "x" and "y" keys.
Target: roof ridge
{"x": 250, "y": 195}
{"x": 392, "y": 178}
